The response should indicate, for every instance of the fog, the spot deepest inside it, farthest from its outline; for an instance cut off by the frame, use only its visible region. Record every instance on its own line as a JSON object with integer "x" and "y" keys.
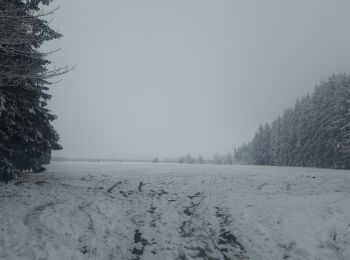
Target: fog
{"x": 166, "y": 78}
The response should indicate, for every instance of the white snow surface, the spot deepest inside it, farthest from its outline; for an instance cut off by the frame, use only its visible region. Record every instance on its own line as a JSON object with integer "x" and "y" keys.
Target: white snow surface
{"x": 172, "y": 211}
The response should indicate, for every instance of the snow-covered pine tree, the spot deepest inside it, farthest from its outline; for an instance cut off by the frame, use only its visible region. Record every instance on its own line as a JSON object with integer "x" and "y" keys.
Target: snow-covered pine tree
{"x": 343, "y": 142}
{"x": 26, "y": 133}
{"x": 303, "y": 131}
{"x": 337, "y": 129}
{"x": 276, "y": 141}
{"x": 261, "y": 146}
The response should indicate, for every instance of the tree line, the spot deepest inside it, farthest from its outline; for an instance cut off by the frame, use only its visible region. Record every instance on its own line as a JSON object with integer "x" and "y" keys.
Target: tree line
{"x": 26, "y": 134}
{"x": 189, "y": 159}
{"x": 314, "y": 133}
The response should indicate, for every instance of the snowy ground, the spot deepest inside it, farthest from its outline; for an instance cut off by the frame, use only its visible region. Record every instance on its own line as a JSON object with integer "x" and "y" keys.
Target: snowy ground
{"x": 170, "y": 211}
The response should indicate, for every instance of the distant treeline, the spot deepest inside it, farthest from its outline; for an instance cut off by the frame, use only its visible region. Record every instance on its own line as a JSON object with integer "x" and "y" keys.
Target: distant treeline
{"x": 66, "y": 159}
{"x": 189, "y": 159}
{"x": 315, "y": 133}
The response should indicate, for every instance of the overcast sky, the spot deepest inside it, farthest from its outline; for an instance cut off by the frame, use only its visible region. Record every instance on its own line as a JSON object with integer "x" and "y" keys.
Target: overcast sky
{"x": 166, "y": 78}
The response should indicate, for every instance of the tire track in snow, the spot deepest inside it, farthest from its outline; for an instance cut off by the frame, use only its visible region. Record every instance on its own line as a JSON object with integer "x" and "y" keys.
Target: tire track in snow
{"x": 33, "y": 223}
{"x": 208, "y": 240}
{"x": 89, "y": 239}
{"x": 38, "y": 230}
{"x": 228, "y": 243}
{"x": 194, "y": 229}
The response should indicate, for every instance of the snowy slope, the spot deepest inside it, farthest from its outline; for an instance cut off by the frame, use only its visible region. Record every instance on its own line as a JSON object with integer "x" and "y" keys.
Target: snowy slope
{"x": 171, "y": 211}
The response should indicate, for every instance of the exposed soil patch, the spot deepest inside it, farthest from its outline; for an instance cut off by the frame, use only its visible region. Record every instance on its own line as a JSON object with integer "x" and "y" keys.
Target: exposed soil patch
{"x": 139, "y": 246}
{"x": 114, "y": 186}
{"x": 152, "y": 209}
{"x": 228, "y": 243}
{"x": 185, "y": 229}
{"x": 140, "y": 186}
{"x": 159, "y": 193}
{"x": 126, "y": 194}
{"x": 194, "y": 196}
{"x": 287, "y": 248}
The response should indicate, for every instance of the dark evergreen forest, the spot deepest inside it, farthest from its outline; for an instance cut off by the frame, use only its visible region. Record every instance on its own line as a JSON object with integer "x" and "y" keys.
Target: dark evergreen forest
{"x": 314, "y": 133}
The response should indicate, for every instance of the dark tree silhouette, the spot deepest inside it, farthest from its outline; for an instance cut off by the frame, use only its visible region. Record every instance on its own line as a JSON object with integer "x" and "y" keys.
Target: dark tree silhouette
{"x": 26, "y": 134}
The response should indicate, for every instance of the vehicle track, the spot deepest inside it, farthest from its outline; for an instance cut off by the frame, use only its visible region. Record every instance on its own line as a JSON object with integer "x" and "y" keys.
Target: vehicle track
{"x": 41, "y": 233}
{"x": 207, "y": 240}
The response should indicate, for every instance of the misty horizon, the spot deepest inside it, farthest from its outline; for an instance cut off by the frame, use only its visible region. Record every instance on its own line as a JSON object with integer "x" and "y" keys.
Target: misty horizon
{"x": 164, "y": 80}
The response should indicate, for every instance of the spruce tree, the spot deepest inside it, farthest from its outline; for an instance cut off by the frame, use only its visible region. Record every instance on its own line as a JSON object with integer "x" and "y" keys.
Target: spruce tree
{"x": 26, "y": 133}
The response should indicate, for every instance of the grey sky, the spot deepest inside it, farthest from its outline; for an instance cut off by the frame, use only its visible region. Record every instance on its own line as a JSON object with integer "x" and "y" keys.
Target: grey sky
{"x": 165, "y": 78}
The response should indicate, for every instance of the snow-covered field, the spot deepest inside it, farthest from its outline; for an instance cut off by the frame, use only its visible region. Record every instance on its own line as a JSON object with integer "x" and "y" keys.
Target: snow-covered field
{"x": 171, "y": 211}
